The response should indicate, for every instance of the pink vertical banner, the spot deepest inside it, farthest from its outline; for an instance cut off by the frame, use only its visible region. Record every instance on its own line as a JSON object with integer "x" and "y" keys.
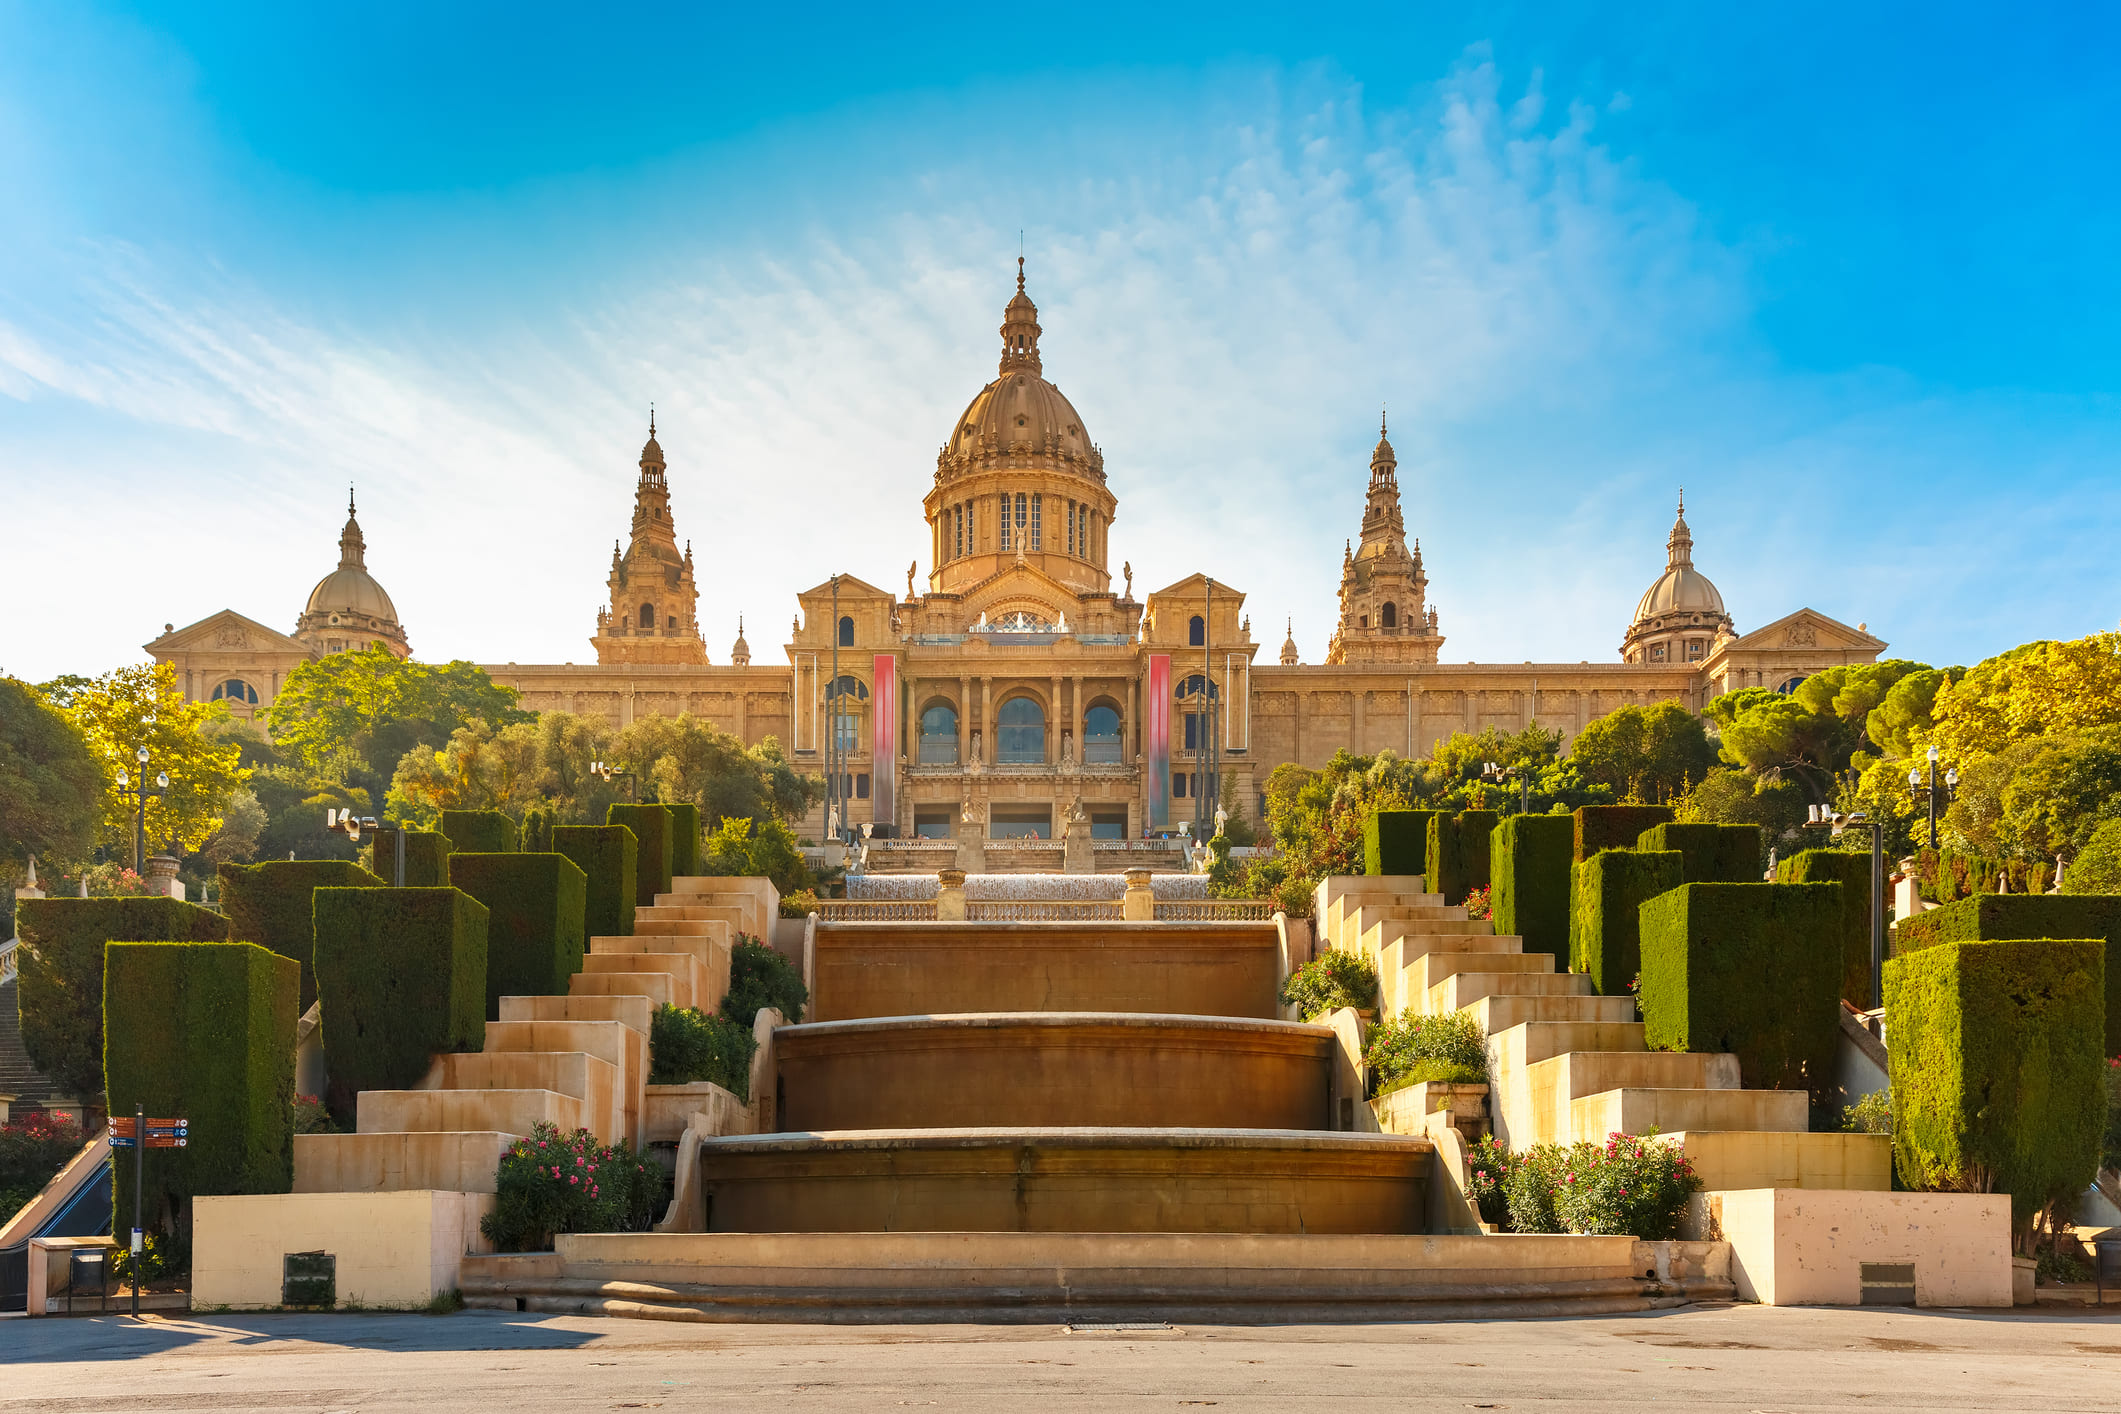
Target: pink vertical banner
{"x": 1156, "y": 728}
{"x": 883, "y": 746}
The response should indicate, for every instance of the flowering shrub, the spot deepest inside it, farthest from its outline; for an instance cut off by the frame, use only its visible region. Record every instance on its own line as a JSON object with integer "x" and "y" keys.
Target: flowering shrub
{"x": 1479, "y": 903}
{"x": 111, "y": 880}
{"x": 552, "y": 1183}
{"x": 1534, "y": 1179}
{"x": 311, "y": 1117}
{"x": 1631, "y": 1186}
{"x": 1335, "y": 979}
{"x": 1488, "y": 1176}
{"x": 32, "y": 1151}
{"x": 1409, "y": 1049}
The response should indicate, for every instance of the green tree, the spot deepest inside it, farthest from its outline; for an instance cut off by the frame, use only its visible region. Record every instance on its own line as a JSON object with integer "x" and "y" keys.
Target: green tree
{"x": 2097, "y": 867}
{"x": 1775, "y": 802}
{"x": 380, "y": 706}
{"x": 2061, "y": 795}
{"x": 142, "y": 705}
{"x": 2032, "y": 690}
{"x": 1785, "y": 732}
{"x": 689, "y": 758}
{"x": 1904, "y": 714}
{"x": 1652, "y": 753}
{"x": 51, "y": 786}
{"x": 766, "y": 849}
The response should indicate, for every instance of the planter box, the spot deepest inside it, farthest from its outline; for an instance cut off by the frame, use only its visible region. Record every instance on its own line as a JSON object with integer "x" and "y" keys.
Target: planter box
{"x": 1401, "y": 1111}
{"x": 669, "y": 1109}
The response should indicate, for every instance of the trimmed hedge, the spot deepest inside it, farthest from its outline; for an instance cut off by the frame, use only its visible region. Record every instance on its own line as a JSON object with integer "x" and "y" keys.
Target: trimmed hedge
{"x": 1997, "y": 1068}
{"x": 1603, "y": 827}
{"x": 1529, "y": 864}
{"x": 1458, "y": 853}
{"x": 1946, "y": 876}
{"x": 537, "y": 831}
{"x": 534, "y": 905}
{"x": 1605, "y": 929}
{"x": 1396, "y": 841}
{"x": 1853, "y": 872}
{"x": 59, "y": 990}
{"x": 1753, "y": 969}
{"x": 684, "y": 839}
{"x": 651, "y": 827}
{"x": 479, "y": 832}
{"x": 610, "y": 856}
{"x": 1990, "y": 918}
{"x": 401, "y": 974}
{"x": 269, "y": 904}
{"x": 203, "y": 1032}
{"x": 426, "y": 858}
{"x": 1710, "y": 854}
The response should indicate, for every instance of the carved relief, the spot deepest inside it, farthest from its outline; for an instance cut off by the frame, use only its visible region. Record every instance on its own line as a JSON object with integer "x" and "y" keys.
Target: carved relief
{"x": 231, "y": 636}
{"x": 1800, "y": 636}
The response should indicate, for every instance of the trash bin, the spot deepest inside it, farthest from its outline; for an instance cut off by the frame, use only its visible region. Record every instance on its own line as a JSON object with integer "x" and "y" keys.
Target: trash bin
{"x": 2106, "y": 1264}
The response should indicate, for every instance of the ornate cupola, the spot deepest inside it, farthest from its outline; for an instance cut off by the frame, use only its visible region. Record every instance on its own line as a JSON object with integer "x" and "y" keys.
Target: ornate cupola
{"x": 1680, "y": 617}
{"x": 653, "y": 614}
{"x": 1018, "y": 480}
{"x": 1289, "y": 655}
{"x": 1384, "y": 613}
{"x": 740, "y": 651}
{"x": 348, "y": 610}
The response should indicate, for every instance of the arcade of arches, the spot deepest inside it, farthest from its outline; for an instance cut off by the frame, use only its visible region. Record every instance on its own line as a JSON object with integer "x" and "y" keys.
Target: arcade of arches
{"x": 1018, "y": 681}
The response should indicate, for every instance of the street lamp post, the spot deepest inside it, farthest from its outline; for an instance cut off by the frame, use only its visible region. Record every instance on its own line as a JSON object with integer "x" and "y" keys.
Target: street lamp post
{"x": 603, "y": 772}
{"x": 346, "y": 823}
{"x": 1917, "y": 789}
{"x": 1497, "y": 773}
{"x": 140, "y": 793}
{"x": 1825, "y": 819}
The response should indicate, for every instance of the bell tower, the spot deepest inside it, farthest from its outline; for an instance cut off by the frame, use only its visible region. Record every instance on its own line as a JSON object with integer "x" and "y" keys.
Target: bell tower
{"x": 653, "y": 613}
{"x": 1384, "y": 613}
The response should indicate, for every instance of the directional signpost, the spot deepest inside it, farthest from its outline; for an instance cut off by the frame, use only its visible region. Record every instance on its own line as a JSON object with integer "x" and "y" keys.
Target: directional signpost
{"x": 140, "y": 1134}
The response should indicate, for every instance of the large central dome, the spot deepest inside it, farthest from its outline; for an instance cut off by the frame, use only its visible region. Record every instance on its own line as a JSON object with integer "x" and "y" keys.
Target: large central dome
{"x": 1018, "y": 476}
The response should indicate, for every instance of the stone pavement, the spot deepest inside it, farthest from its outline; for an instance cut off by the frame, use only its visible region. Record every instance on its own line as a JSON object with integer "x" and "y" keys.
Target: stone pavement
{"x": 1743, "y": 1358}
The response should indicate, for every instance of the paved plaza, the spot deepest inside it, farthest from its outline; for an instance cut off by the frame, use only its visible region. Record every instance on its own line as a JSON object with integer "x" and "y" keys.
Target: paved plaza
{"x": 1747, "y": 1358}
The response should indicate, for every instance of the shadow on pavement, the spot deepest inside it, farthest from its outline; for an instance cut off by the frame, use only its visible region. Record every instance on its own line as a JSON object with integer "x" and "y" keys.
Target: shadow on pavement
{"x": 57, "y": 1340}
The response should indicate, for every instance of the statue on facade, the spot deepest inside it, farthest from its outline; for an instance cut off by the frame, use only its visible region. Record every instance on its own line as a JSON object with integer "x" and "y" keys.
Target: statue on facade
{"x": 978, "y": 762}
{"x": 832, "y": 823}
{"x": 909, "y": 577}
{"x": 1126, "y": 567}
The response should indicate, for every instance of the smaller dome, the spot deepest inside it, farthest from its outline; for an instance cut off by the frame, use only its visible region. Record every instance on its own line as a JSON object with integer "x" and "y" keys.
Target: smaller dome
{"x": 351, "y": 590}
{"x": 1681, "y": 589}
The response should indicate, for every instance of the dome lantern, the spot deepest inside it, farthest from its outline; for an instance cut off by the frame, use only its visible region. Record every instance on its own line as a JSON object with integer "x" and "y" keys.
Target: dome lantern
{"x": 1681, "y": 616}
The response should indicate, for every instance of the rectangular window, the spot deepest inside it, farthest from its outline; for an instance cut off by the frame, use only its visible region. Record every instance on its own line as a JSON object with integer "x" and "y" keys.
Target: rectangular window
{"x": 861, "y": 786}
{"x": 1694, "y": 650}
{"x": 1178, "y": 785}
{"x": 1071, "y": 527}
{"x": 1038, "y": 535}
{"x": 958, "y": 515}
{"x": 1020, "y": 521}
{"x": 1005, "y": 522}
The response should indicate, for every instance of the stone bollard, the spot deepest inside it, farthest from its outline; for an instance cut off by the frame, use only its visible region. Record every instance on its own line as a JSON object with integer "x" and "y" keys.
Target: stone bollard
{"x": 950, "y": 896}
{"x": 1138, "y": 904}
{"x": 162, "y": 876}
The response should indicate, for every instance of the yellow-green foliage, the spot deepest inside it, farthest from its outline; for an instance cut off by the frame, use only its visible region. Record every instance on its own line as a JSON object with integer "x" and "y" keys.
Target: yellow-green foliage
{"x": 651, "y": 827}
{"x": 1529, "y": 881}
{"x": 1994, "y": 917}
{"x": 270, "y": 904}
{"x": 1852, "y": 871}
{"x": 1396, "y": 841}
{"x": 401, "y": 975}
{"x": 610, "y": 856}
{"x": 534, "y": 905}
{"x": 204, "y": 1032}
{"x": 60, "y": 985}
{"x": 1458, "y": 853}
{"x": 1997, "y": 1071}
{"x": 1605, "y": 931}
{"x": 1752, "y": 969}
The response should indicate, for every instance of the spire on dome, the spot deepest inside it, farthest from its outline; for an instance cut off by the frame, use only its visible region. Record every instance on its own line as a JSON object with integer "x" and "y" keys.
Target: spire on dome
{"x": 353, "y": 550}
{"x": 1289, "y": 655}
{"x": 1679, "y": 549}
{"x": 740, "y": 652}
{"x": 1020, "y": 330}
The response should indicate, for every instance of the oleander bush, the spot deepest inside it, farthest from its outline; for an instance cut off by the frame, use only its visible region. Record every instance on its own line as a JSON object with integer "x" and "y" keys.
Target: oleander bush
{"x": 1605, "y": 928}
{"x": 1334, "y": 979}
{"x": 479, "y": 832}
{"x": 401, "y": 976}
{"x": 1633, "y": 1187}
{"x": 59, "y": 994}
{"x": 1604, "y": 827}
{"x": 550, "y": 1182}
{"x": 686, "y": 1044}
{"x": 271, "y": 904}
{"x": 1534, "y": 1179}
{"x": 1488, "y": 1165}
{"x": 1396, "y": 841}
{"x": 1851, "y": 870}
{"x": 610, "y": 856}
{"x": 33, "y": 1148}
{"x": 1873, "y": 1114}
{"x": 1998, "y": 917}
{"x": 760, "y": 977}
{"x": 651, "y": 827}
{"x": 1412, "y": 1049}
{"x": 1529, "y": 881}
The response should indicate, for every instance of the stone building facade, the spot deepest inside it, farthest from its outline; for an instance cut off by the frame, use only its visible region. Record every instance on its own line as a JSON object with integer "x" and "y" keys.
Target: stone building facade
{"x": 1017, "y": 687}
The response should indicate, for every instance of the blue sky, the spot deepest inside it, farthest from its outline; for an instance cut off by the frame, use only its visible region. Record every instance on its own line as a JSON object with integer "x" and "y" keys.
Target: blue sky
{"x": 1845, "y": 273}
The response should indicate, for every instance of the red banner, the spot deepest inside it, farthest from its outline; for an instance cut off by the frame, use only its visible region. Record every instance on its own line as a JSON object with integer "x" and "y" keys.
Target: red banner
{"x": 883, "y": 745}
{"x": 1156, "y": 731}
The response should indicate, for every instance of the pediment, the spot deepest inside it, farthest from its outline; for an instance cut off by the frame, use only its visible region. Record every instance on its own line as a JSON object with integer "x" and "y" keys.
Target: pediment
{"x": 1194, "y": 586}
{"x": 852, "y": 590}
{"x": 1806, "y": 629}
{"x": 225, "y": 632}
{"x": 1019, "y": 588}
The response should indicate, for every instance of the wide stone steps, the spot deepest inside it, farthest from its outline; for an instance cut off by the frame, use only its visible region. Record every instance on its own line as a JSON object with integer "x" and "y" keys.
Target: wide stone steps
{"x": 1462, "y": 989}
{"x": 1499, "y": 1012}
{"x": 619, "y": 1045}
{"x": 458, "y": 1161}
{"x": 632, "y": 1011}
{"x": 1529, "y": 1042}
{"x": 440, "y": 1111}
{"x": 658, "y": 988}
{"x": 1640, "y": 1110}
{"x": 682, "y": 967}
{"x": 578, "y": 1074}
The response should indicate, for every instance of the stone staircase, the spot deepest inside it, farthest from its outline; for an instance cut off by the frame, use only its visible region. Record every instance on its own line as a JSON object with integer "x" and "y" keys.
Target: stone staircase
{"x": 1568, "y": 1065}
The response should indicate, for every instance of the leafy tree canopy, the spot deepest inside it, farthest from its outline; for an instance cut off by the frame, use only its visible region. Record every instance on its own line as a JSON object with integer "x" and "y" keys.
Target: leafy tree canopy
{"x": 142, "y": 705}
{"x": 2033, "y": 690}
{"x": 1904, "y": 714}
{"x": 51, "y": 785}
{"x": 1647, "y": 753}
{"x": 2097, "y": 867}
{"x": 378, "y": 706}
{"x": 688, "y": 758}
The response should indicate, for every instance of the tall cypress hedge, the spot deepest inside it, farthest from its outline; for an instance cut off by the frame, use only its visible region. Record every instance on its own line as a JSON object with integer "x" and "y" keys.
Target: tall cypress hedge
{"x": 1605, "y": 929}
{"x": 1990, "y": 918}
{"x": 426, "y": 858}
{"x": 1529, "y": 864}
{"x": 651, "y": 827}
{"x": 1710, "y": 854}
{"x": 1998, "y": 1068}
{"x": 203, "y": 1032}
{"x": 479, "y": 832}
{"x": 1397, "y": 842}
{"x": 534, "y": 905}
{"x": 609, "y": 856}
{"x": 401, "y": 974}
{"x": 1603, "y": 827}
{"x": 1458, "y": 853}
{"x": 1753, "y": 969}
{"x": 1853, "y": 872}
{"x": 684, "y": 839}
{"x": 60, "y": 986}
{"x": 269, "y": 904}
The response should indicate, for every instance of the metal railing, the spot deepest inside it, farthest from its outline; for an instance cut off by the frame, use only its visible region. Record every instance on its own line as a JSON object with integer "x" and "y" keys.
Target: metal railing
{"x": 1042, "y": 910}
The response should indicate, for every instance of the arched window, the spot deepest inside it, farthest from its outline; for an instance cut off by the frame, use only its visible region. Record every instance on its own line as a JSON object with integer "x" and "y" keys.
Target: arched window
{"x": 1391, "y": 615}
{"x": 647, "y": 616}
{"x": 236, "y": 690}
{"x": 939, "y": 735}
{"x": 1197, "y": 631}
{"x": 1101, "y": 740}
{"x": 1191, "y": 687}
{"x": 1791, "y": 684}
{"x": 1023, "y": 732}
{"x": 846, "y": 631}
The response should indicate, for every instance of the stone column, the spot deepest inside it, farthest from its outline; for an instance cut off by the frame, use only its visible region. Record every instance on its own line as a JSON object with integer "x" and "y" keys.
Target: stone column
{"x": 950, "y": 896}
{"x": 1359, "y": 720}
{"x": 1138, "y": 903}
{"x": 964, "y": 719}
{"x": 1056, "y": 723}
{"x": 987, "y": 747}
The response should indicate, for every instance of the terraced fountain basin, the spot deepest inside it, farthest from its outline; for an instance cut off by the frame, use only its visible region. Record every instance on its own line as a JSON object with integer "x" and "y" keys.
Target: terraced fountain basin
{"x": 902, "y": 969}
{"x": 1054, "y": 1068}
{"x": 1066, "y": 1180}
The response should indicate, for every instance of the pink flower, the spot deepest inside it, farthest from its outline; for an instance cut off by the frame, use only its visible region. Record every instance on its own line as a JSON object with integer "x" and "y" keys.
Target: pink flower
{"x": 571, "y": 1179}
